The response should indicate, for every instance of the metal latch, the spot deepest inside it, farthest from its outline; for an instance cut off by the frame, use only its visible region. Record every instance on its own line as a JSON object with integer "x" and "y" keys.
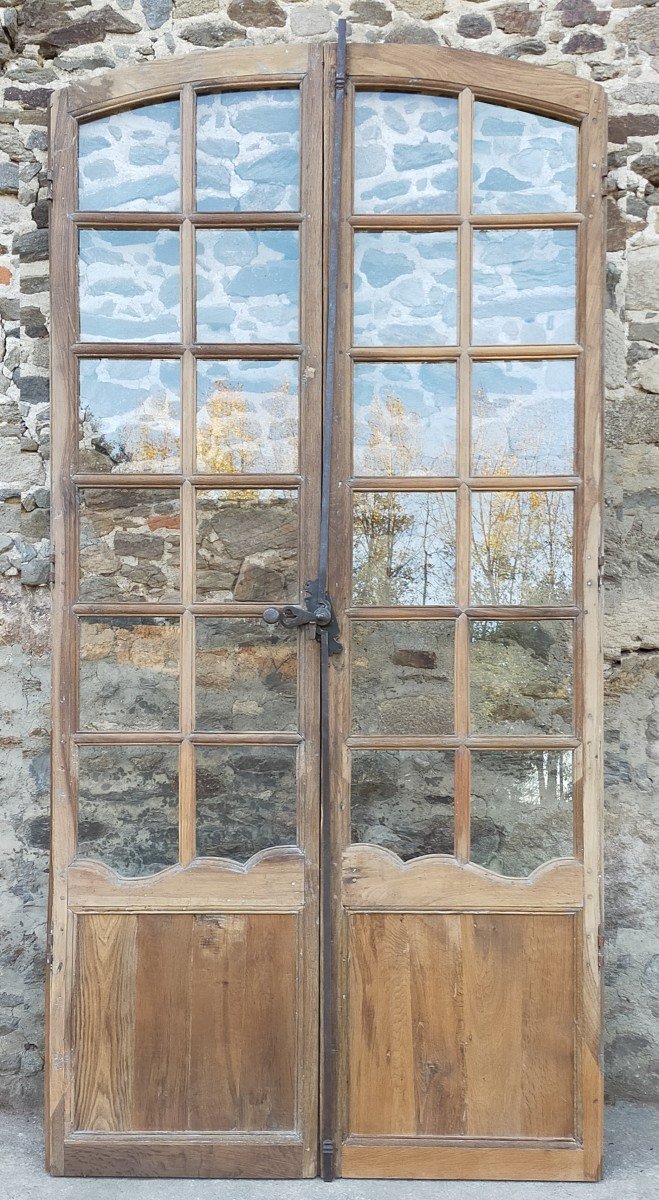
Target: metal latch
{"x": 317, "y": 610}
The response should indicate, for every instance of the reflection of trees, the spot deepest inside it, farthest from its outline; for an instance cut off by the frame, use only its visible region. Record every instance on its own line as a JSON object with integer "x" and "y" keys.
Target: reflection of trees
{"x": 230, "y": 440}
{"x": 148, "y": 441}
{"x": 403, "y": 541}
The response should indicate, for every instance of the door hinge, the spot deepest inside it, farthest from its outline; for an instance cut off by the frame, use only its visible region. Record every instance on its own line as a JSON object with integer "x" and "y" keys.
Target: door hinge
{"x": 604, "y": 174}
{"x": 600, "y": 947}
{"x": 49, "y": 947}
{"x": 49, "y": 186}
{"x": 600, "y": 571}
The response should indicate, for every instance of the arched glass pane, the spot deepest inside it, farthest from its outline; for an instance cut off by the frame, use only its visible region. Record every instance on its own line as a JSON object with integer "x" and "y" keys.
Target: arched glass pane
{"x": 521, "y": 809}
{"x": 406, "y": 147}
{"x": 403, "y": 800}
{"x": 130, "y": 162}
{"x": 248, "y": 151}
{"x": 523, "y": 162}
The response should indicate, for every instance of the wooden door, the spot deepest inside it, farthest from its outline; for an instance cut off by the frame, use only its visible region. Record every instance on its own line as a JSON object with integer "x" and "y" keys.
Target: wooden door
{"x": 466, "y": 709}
{"x": 183, "y": 992}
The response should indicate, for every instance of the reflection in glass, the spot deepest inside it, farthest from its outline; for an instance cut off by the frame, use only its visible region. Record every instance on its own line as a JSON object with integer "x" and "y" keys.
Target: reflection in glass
{"x": 129, "y": 162}
{"x": 521, "y": 809}
{"x": 522, "y": 417}
{"x": 247, "y": 416}
{"x": 521, "y": 547}
{"x": 405, "y": 289}
{"x": 246, "y": 799}
{"x": 523, "y": 162}
{"x": 248, "y": 146}
{"x": 248, "y": 285}
{"x": 247, "y": 545}
{"x": 129, "y": 671}
{"x": 524, "y": 286}
{"x": 402, "y": 677}
{"x": 129, "y": 544}
{"x": 130, "y": 415}
{"x": 128, "y": 807}
{"x": 406, "y": 147}
{"x": 129, "y": 285}
{"x": 521, "y": 677}
{"x": 403, "y": 548}
{"x": 405, "y": 416}
{"x": 246, "y": 675}
{"x": 403, "y": 800}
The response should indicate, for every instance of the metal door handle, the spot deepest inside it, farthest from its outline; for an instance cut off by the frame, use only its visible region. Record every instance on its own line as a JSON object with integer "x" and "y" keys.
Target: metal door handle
{"x": 292, "y": 615}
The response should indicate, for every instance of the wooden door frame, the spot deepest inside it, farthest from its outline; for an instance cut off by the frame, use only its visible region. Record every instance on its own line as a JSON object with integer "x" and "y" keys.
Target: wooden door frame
{"x": 367, "y": 878}
{"x": 279, "y": 880}
{"x": 413, "y": 68}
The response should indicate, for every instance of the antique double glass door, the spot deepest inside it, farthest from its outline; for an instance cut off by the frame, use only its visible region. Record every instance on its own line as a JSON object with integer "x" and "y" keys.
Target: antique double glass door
{"x": 462, "y": 731}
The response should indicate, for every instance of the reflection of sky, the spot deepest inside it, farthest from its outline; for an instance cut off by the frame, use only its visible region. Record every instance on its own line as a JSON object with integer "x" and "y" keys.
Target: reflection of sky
{"x": 247, "y": 285}
{"x": 248, "y": 146}
{"x": 428, "y": 394}
{"x": 118, "y": 392}
{"x": 523, "y": 162}
{"x": 523, "y": 417}
{"x": 405, "y": 288}
{"x": 129, "y": 162}
{"x": 129, "y": 285}
{"x": 524, "y": 286}
{"x": 405, "y": 152}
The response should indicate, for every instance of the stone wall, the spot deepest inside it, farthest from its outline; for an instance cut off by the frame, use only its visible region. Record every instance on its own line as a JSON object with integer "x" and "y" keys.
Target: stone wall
{"x": 46, "y": 43}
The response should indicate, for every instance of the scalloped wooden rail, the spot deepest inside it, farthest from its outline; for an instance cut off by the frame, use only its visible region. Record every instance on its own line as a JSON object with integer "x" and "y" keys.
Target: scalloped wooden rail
{"x": 272, "y": 880}
{"x": 375, "y": 878}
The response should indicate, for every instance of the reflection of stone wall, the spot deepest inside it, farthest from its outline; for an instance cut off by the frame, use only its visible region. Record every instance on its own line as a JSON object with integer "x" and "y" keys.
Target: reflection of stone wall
{"x": 521, "y": 810}
{"x": 129, "y": 544}
{"x": 46, "y": 46}
{"x": 403, "y": 800}
{"x": 247, "y": 546}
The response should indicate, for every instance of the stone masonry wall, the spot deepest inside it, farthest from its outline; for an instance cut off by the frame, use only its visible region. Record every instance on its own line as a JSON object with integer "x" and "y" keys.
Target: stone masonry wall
{"x": 46, "y": 43}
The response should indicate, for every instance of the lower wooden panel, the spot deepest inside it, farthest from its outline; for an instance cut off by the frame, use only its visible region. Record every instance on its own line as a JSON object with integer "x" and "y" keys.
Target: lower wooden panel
{"x": 169, "y": 1158}
{"x": 185, "y": 1022}
{"x": 460, "y": 1025}
{"x": 458, "y": 1162}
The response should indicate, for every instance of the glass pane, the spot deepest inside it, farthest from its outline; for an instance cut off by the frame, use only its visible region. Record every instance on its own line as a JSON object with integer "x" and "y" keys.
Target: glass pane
{"x": 246, "y": 799}
{"x": 521, "y": 548}
{"x": 405, "y": 289}
{"x": 248, "y": 285}
{"x": 406, "y": 148}
{"x": 403, "y": 800}
{"x": 129, "y": 544}
{"x": 523, "y": 162}
{"x": 521, "y": 677}
{"x": 129, "y": 162}
{"x": 403, "y": 548}
{"x": 405, "y": 417}
{"x": 128, "y": 807}
{"x": 129, "y": 671}
{"x": 247, "y": 417}
{"x": 246, "y": 675}
{"x": 522, "y": 418}
{"x": 521, "y": 809}
{"x": 129, "y": 285}
{"x": 130, "y": 415}
{"x": 247, "y": 545}
{"x": 248, "y": 148}
{"x": 402, "y": 677}
{"x": 524, "y": 286}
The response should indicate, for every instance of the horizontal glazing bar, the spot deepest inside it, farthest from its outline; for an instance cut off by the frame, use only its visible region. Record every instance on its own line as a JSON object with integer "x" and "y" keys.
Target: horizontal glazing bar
{"x": 201, "y": 220}
{"x": 146, "y": 480}
{"x": 257, "y": 350}
{"x": 171, "y": 738}
{"x": 412, "y": 222}
{"x": 477, "y": 612}
{"x": 477, "y": 483}
{"x": 393, "y": 742}
{"x": 452, "y": 353}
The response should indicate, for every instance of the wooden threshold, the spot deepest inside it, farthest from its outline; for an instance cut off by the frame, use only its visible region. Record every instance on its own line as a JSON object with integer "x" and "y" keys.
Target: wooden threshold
{"x": 174, "y": 1155}
{"x": 372, "y": 1159}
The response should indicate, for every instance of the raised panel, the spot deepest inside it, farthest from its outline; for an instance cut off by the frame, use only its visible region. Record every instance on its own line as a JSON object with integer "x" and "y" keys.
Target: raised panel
{"x": 461, "y": 1025}
{"x": 186, "y": 1022}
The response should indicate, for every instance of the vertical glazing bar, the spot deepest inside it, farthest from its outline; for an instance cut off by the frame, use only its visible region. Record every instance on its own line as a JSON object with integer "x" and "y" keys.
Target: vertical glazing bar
{"x": 329, "y": 1031}
{"x": 463, "y": 516}
{"x": 188, "y": 531}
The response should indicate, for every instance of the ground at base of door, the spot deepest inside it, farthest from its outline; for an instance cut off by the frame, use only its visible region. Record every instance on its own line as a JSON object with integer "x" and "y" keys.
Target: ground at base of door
{"x": 632, "y": 1173}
